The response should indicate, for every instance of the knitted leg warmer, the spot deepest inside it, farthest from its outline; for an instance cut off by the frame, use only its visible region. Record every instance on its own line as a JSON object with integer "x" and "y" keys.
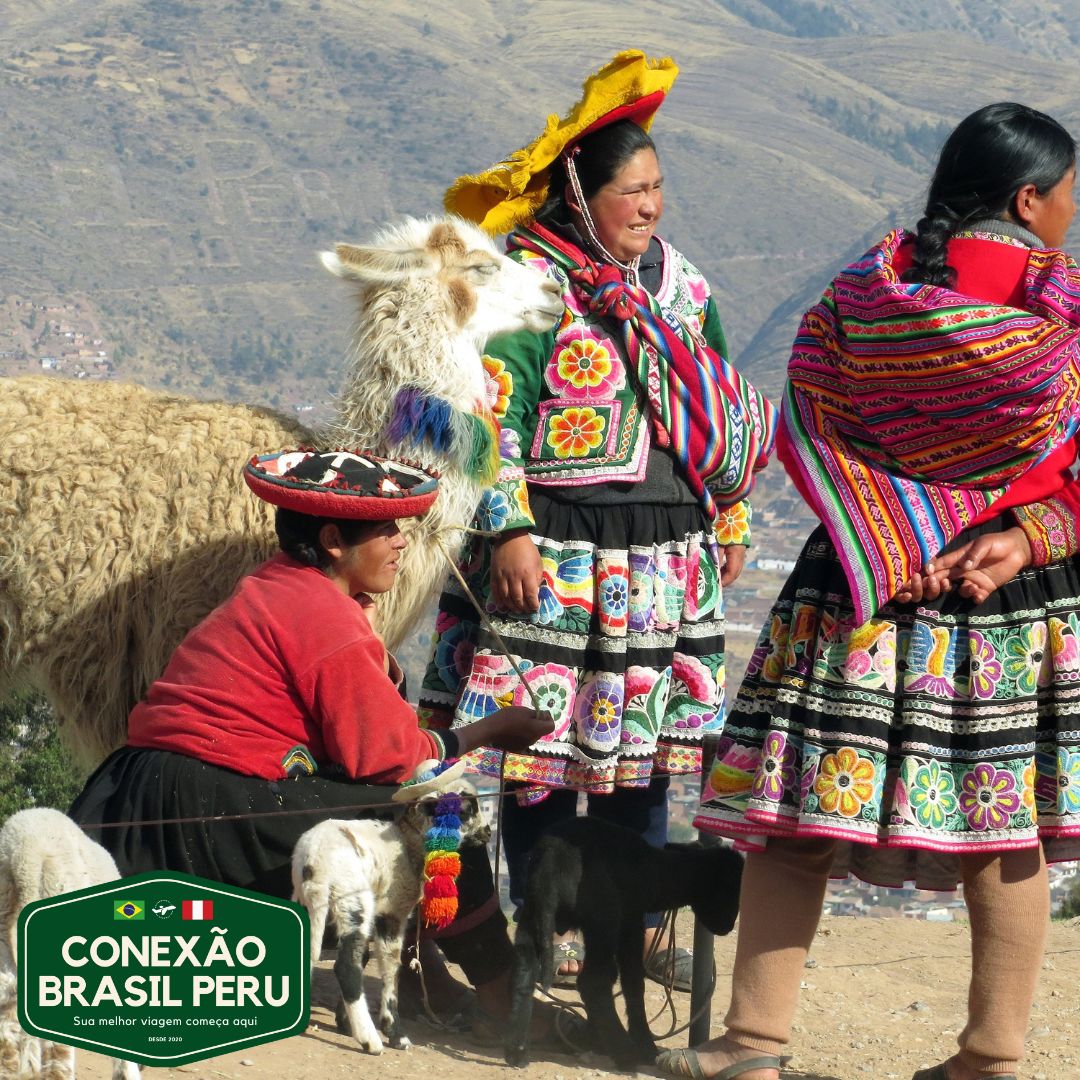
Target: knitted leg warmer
{"x": 783, "y": 888}
{"x": 1008, "y": 900}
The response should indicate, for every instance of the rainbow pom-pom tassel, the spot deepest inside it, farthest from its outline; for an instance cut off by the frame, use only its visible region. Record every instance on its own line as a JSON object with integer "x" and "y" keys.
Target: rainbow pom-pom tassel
{"x": 442, "y": 864}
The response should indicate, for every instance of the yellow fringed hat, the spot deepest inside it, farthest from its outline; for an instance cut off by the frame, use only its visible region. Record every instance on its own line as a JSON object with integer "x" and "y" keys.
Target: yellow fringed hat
{"x": 630, "y": 87}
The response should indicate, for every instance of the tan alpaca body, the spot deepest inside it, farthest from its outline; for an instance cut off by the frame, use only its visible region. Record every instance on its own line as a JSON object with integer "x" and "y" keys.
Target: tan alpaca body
{"x": 123, "y": 516}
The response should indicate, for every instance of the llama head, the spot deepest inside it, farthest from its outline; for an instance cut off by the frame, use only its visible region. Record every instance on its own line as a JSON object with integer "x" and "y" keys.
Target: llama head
{"x": 457, "y": 271}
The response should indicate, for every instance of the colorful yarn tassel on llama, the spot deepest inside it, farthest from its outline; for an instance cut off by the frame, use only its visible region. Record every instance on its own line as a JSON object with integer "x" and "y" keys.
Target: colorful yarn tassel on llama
{"x": 442, "y": 864}
{"x": 471, "y": 438}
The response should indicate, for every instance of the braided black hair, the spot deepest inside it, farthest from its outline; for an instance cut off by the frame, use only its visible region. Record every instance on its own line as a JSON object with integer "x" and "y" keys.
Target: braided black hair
{"x": 298, "y": 535}
{"x": 987, "y": 159}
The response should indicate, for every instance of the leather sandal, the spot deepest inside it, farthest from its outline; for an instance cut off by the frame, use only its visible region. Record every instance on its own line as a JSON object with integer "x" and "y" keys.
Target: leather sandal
{"x": 685, "y": 1063}
{"x": 673, "y": 968}
{"x": 564, "y": 951}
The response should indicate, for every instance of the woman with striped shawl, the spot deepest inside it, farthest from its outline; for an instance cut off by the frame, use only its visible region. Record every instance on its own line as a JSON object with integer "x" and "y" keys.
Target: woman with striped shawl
{"x": 629, "y": 444}
{"x": 908, "y": 716}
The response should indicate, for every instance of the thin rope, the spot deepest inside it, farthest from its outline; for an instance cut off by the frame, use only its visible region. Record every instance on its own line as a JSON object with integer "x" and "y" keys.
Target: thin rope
{"x": 488, "y": 625}
{"x": 532, "y": 789}
{"x": 486, "y": 622}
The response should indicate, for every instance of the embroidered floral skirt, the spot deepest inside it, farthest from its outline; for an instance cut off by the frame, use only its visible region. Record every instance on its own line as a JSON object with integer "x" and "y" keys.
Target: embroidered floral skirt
{"x": 926, "y": 733}
{"x": 626, "y": 651}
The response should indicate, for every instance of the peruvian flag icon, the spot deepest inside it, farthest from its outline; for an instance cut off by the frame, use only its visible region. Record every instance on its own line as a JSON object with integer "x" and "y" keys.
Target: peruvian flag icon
{"x": 197, "y": 909}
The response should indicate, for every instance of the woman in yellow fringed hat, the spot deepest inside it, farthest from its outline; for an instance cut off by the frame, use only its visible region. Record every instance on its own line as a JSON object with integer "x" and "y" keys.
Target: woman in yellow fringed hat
{"x": 629, "y": 445}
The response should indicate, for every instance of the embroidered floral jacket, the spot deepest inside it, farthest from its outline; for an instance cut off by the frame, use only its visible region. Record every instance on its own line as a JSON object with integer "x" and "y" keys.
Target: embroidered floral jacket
{"x": 567, "y": 404}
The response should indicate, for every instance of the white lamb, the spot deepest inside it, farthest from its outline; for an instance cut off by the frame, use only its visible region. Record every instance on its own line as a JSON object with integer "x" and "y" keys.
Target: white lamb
{"x": 42, "y": 853}
{"x": 366, "y": 877}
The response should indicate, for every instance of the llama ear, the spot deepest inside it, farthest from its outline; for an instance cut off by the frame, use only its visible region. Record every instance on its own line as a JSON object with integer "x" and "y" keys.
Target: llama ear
{"x": 375, "y": 266}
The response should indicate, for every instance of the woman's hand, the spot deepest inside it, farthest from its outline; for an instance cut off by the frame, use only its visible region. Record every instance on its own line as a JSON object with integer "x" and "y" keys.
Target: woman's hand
{"x": 516, "y": 573}
{"x": 732, "y": 561}
{"x": 988, "y": 562}
{"x": 925, "y": 586}
{"x": 514, "y": 728}
{"x": 981, "y": 566}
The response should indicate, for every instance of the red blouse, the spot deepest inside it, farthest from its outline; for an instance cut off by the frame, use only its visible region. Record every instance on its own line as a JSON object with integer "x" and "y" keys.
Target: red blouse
{"x": 288, "y": 660}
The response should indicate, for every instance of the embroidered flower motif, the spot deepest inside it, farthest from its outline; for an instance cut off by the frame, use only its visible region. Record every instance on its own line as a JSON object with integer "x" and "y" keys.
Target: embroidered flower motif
{"x": 732, "y": 525}
{"x": 845, "y": 782}
{"x": 871, "y": 650}
{"x": 931, "y": 794}
{"x": 985, "y": 666}
{"x": 693, "y": 697}
{"x": 552, "y": 686}
{"x": 493, "y": 511}
{"x": 776, "y": 772}
{"x": 613, "y": 589}
{"x": 670, "y": 591}
{"x": 584, "y": 364}
{"x": 1027, "y": 791}
{"x": 690, "y": 597}
{"x": 699, "y": 289}
{"x": 705, "y": 585}
{"x": 498, "y": 385}
{"x": 1068, "y": 779}
{"x": 509, "y": 444}
{"x": 642, "y": 569}
{"x": 551, "y": 607}
{"x": 1027, "y": 659}
{"x": 988, "y": 797}
{"x": 645, "y": 690}
{"x": 574, "y": 432}
{"x": 600, "y": 707}
{"x": 490, "y": 686}
{"x": 521, "y": 501}
{"x": 453, "y": 651}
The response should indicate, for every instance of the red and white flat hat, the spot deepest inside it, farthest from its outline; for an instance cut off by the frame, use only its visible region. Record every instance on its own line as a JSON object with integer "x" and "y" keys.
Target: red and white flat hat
{"x": 342, "y": 484}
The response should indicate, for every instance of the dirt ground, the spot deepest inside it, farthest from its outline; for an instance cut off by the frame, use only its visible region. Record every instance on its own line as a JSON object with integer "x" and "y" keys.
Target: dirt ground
{"x": 881, "y": 998}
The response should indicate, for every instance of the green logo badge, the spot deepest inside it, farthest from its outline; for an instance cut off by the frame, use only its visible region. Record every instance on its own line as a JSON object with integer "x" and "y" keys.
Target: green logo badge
{"x": 214, "y": 969}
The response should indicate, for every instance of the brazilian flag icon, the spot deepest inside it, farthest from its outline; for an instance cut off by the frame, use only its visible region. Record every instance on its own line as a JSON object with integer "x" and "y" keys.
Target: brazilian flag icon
{"x": 129, "y": 910}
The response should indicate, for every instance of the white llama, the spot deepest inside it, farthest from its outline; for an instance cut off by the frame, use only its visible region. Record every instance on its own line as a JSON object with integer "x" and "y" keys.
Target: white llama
{"x": 123, "y": 515}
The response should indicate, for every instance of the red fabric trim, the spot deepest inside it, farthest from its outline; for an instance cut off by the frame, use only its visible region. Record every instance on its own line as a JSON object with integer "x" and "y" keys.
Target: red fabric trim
{"x": 339, "y": 502}
{"x": 639, "y": 111}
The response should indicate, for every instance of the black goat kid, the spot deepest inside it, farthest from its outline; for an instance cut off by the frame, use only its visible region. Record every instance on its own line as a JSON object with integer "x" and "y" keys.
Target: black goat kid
{"x": 601, "y": 879}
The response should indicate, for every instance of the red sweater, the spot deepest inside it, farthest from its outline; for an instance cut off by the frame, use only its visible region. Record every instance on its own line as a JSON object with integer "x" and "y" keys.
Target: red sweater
{"x": 991, "y": 271}
{"x": 288, "y": 660}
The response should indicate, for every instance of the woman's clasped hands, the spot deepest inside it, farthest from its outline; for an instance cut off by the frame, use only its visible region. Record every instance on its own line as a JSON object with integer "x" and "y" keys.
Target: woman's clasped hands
{"x": 975, "y": 569}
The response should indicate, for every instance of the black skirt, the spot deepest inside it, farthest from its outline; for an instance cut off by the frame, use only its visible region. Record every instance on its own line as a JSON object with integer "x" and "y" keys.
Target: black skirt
{"x": 928, "y": 732}
{"x": 156, "y": 810}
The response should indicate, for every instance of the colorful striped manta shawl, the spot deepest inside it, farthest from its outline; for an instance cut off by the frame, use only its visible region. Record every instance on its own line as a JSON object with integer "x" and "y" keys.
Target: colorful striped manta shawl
{"x": 911, "y": 408}
{"x": 716, "y": 423}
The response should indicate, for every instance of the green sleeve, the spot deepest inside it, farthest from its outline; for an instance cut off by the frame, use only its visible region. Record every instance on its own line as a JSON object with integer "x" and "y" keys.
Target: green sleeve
{"x": 713, "y": 331}
{"x": 515, "y": 363}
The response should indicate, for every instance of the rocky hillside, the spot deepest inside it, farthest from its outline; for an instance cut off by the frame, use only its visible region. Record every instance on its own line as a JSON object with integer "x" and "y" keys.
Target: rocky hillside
{"x": 175, "y": 166}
